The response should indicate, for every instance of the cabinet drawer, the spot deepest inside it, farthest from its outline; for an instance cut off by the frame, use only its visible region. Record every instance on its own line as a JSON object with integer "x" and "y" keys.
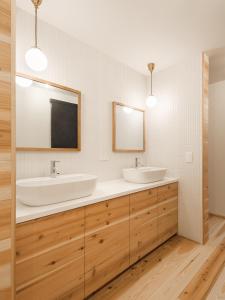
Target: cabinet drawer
{"x": 168, "y": 191}
{"x": 106, "y": 242}
{"x": 143, "y": 200}
{"x": 44, "y": 233}
{"x": 143, "y": 236}
{"x": 166, "y": 206}
{"x": 105, "y": 213}
{"x": 65, "y": 283}
{"x": 50, "y": 256}
{"x": 167, "y": 225}
{"x": 106, "y": 255}
{"x": 41, "y": 264}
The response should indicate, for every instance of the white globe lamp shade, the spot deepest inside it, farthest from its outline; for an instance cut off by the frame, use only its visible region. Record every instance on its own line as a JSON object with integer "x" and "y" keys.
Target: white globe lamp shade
{"x": 36, "y": 59}
{"x": 151, "y": 101}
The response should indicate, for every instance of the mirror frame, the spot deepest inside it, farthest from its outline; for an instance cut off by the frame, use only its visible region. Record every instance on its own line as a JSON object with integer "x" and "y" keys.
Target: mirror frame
{"x": 114, "y": 146}
{"x": 78, "y": 93}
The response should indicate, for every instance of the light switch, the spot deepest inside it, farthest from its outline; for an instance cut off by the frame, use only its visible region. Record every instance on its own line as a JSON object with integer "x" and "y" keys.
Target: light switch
{"x": 188, "y": 157}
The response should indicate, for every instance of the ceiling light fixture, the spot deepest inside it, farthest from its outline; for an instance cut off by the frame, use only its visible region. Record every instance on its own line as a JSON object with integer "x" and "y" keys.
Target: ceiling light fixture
{"x": 151, "y": 100}
{"x": 35, "y": 58}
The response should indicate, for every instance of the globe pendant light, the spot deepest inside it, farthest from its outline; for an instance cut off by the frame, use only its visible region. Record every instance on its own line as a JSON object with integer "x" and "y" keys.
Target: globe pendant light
{"x": 151, "y": 100}
{"x": 35, "y": 58}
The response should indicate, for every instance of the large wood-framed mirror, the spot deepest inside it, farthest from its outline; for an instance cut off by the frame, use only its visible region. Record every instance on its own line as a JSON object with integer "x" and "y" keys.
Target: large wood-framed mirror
{"x": 128, "y": 124}
{"x": 48, "y": 116}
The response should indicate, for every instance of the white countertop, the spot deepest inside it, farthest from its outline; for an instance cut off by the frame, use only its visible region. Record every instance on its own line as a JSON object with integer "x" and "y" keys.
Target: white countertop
{"x": 104, "y": 191}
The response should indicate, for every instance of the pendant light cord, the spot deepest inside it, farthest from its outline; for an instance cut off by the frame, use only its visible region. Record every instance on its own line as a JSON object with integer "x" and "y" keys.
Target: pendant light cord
{"x": 151, "y": 67}
{"x": 151, "y": 83}
{"x": 36, "y": 8}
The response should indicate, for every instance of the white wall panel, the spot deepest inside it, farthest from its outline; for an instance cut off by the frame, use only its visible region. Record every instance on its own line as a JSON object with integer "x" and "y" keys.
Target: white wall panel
{"x": 174, "y": 129}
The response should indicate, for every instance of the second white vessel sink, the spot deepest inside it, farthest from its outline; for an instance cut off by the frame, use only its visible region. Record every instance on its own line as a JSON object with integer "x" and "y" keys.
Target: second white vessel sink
{"x": 144, "y": 174}
{"x": 48, "y": 190}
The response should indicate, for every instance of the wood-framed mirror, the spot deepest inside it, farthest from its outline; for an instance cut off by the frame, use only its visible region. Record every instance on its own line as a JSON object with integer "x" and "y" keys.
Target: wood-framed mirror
{"x": 48, "y": 115}
{"x": 128, "y": 128}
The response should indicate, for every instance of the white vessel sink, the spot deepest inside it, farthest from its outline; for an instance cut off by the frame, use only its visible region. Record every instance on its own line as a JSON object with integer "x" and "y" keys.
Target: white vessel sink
{"x": 144, "y": 174}
{"x": 48, "y": 190}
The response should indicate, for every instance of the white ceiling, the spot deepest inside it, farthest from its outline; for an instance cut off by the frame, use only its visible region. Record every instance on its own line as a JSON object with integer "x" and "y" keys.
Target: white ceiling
{"x": 136, "y": 32}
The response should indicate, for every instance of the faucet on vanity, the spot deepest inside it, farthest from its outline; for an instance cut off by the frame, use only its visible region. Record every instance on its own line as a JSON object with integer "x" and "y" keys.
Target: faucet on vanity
{"x": 53, "y": 168}
{"x": 137, "y": 162}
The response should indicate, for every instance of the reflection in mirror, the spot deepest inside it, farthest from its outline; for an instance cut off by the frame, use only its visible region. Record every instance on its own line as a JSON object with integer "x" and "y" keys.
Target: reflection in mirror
{"x": 128, "y": 128}
{"x": 47, "y": 115}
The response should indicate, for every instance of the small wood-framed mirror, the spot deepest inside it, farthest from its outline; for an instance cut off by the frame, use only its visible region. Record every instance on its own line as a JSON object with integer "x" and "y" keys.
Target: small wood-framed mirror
{"x": 128, "y": 124}
{"x": 48, "y": 116}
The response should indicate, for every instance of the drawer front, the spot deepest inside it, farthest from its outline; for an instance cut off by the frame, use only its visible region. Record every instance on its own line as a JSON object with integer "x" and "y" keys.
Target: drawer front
{"x": 143, "y": 236}
{"x": 106, "y": 255}
{"x": 105, "y": 213}
{"x": 65, "y": 283}
{"x": 167, "y": 191}
{"x": 167, "y": 206}
{"x": 143, "y": 200}
{"x": 42, "y": 234}
{"x": 41, "y": 264}
{"x": 50, "y": 256}
{"x": 167, "y": 220}
{"x": 106, "y": 242}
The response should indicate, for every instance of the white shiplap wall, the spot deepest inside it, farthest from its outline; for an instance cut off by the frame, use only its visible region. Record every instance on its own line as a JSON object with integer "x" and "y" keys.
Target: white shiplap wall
{"x": 101, "y": 81}
{"x": 174, "y": 129}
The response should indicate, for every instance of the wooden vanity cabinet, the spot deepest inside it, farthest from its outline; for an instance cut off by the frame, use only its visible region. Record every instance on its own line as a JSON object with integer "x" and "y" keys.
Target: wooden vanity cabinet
{"x": 50, "y": 257}
{"x": 106, "y": 242}
{"x": 70, "y": 255}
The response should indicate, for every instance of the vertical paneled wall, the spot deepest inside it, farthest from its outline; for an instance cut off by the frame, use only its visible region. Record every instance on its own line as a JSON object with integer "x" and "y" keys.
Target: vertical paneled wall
{"x": 7, "y": 161}
{"x": 174, "y": 130}
{"x": 205, "y": 105}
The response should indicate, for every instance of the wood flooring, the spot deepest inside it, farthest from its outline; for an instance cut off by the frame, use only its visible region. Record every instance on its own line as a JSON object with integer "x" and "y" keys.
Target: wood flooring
{"x": 179, "y": 269}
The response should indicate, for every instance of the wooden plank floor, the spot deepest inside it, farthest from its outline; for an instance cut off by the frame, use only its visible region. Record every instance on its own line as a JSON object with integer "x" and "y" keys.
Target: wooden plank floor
{"x": 179, "y": 269}
{"x": 218, "y": 290}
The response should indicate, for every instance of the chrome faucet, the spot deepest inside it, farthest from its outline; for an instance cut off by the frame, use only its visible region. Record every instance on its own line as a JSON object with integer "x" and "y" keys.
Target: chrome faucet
{"x": 137, "y": 162}
{"x": 53, "y": 168}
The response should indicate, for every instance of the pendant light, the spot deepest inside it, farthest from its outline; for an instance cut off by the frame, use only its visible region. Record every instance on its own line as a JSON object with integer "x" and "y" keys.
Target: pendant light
{"x": 151, "y": 100}
{"x": 35, "y": 58}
